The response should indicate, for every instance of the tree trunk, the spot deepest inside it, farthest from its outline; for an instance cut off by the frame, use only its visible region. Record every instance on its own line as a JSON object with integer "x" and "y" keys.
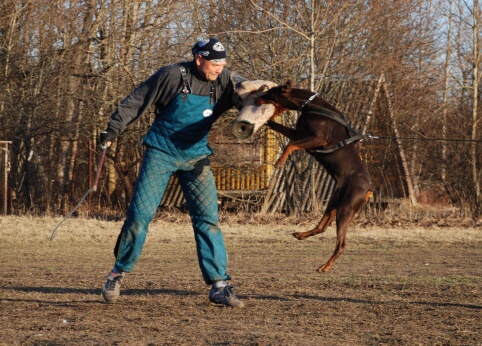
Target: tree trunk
{"x": 476, "y": 75}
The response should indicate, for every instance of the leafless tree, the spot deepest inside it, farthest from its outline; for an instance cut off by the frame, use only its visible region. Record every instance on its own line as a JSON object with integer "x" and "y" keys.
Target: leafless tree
{"x": 64, "y": 67}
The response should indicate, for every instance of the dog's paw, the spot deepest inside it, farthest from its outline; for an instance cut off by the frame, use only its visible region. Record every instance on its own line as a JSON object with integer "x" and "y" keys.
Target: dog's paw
{"x": 299, "y": 235}
{"x": 279, "y": 164}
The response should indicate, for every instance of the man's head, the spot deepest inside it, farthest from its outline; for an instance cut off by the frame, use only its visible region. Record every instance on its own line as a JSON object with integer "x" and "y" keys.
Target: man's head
{"x": 210, "y": 58}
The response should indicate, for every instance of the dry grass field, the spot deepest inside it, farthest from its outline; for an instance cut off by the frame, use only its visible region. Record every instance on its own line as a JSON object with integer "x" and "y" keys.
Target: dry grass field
{"x": 392, "y": 286}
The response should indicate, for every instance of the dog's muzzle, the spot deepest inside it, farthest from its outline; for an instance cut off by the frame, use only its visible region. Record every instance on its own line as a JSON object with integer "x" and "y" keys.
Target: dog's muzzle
{"x": 243, "y": 129}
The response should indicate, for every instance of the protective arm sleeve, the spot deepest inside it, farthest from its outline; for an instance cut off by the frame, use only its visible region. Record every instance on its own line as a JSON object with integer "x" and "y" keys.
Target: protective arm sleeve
{"x": 237, "y": 79}
{"x": 229, "y": 97}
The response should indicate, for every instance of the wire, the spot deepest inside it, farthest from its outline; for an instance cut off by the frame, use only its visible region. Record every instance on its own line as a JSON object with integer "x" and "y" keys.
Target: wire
{"x": 425, "y": 139}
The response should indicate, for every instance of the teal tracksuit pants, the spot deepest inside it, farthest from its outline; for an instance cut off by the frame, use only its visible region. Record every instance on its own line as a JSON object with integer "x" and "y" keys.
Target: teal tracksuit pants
{"x": 177, "y": 144}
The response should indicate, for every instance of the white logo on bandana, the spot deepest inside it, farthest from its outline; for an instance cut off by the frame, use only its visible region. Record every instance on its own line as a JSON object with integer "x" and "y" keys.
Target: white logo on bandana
{"x": 204, "y": 42}
{"x": 207, "y": 113}
{"x": 218, "y": 47}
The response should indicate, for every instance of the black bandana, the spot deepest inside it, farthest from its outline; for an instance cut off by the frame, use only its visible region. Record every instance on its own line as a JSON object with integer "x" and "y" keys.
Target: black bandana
{"x": 210, "y": 49}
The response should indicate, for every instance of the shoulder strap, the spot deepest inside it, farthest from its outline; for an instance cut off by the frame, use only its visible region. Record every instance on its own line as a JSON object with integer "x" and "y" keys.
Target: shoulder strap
{"x": 186, "y": 89}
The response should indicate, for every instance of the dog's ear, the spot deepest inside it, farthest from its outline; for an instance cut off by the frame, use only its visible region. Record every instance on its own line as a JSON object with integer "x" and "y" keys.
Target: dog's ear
{"x": 287, "y": 87}
{"x": 265, "y": 87}
{"x": 246, "y": 87}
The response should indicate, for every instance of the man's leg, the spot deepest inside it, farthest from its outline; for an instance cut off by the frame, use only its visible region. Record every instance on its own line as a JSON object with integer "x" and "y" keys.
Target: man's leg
{"x": 199, "y": 190}
{"x": 148, "y": 192}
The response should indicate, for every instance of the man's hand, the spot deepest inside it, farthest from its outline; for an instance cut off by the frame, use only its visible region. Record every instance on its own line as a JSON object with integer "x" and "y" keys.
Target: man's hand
{"x": 106, "y": 137}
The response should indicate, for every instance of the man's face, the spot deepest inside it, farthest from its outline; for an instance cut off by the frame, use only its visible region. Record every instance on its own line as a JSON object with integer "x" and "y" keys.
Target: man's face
{"x": 209, "y": 69}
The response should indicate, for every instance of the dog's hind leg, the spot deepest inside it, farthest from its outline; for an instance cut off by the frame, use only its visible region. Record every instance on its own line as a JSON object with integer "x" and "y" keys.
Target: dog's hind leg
{"x": 326, "y": 220}
{"x": 342, "y": 227}
{"x": 350, "y": 204}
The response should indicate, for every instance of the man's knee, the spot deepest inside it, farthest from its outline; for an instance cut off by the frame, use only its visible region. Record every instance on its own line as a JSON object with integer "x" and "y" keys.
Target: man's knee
{"x": 136, "y": 223}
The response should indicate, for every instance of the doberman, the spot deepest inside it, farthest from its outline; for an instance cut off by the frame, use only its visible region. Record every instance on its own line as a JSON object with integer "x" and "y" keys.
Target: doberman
{"x": 323, "y": 132}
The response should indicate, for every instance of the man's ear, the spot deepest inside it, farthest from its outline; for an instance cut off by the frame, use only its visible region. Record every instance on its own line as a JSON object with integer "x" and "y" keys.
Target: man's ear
{"x": 198, "y": 59}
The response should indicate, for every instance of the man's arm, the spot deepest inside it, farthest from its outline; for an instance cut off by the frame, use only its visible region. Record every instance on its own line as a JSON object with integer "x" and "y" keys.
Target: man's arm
{"x": 158, "y": 88}
{"x": 229, "y": 98}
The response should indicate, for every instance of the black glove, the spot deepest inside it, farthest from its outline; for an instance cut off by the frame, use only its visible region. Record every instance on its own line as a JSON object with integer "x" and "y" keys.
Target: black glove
{"x": 106, "y": 136}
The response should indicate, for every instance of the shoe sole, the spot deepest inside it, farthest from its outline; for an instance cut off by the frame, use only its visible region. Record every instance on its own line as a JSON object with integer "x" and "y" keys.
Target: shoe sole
{"x": 239, "y": 305}
{"x": 109, "y": 298}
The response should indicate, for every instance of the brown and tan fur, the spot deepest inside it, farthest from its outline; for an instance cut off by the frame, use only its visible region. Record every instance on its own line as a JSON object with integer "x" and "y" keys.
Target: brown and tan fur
{"x": 314, "y": 131}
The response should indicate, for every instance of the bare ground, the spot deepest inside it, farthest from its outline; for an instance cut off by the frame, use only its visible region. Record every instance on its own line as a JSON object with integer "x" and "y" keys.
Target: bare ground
{"x": 392, "y": 286}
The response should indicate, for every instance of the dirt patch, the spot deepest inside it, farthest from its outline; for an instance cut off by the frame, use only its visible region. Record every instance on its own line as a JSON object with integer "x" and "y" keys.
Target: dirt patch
{"x": 391, "y": 286}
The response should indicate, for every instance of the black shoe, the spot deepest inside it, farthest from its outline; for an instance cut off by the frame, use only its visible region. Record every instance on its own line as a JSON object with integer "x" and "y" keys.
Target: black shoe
{"x": 225, "y": 296}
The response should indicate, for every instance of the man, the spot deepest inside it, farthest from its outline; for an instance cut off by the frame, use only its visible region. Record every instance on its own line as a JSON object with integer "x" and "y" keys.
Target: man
{"x": 188, "y": 98}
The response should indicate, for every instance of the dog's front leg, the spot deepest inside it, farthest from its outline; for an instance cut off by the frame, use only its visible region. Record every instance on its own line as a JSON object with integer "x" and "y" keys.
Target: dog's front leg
{"x": 285, "y": 131}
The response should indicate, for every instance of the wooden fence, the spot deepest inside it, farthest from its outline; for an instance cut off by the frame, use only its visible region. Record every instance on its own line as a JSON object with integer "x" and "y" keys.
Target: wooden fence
{"x": 242, "y": 178}
{"x": 230, "y": 181}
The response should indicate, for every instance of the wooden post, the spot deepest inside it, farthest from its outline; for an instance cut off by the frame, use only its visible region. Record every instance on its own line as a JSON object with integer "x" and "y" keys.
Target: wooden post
{"x": 6, "y": 168}
{"x": 90, "y": 171}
